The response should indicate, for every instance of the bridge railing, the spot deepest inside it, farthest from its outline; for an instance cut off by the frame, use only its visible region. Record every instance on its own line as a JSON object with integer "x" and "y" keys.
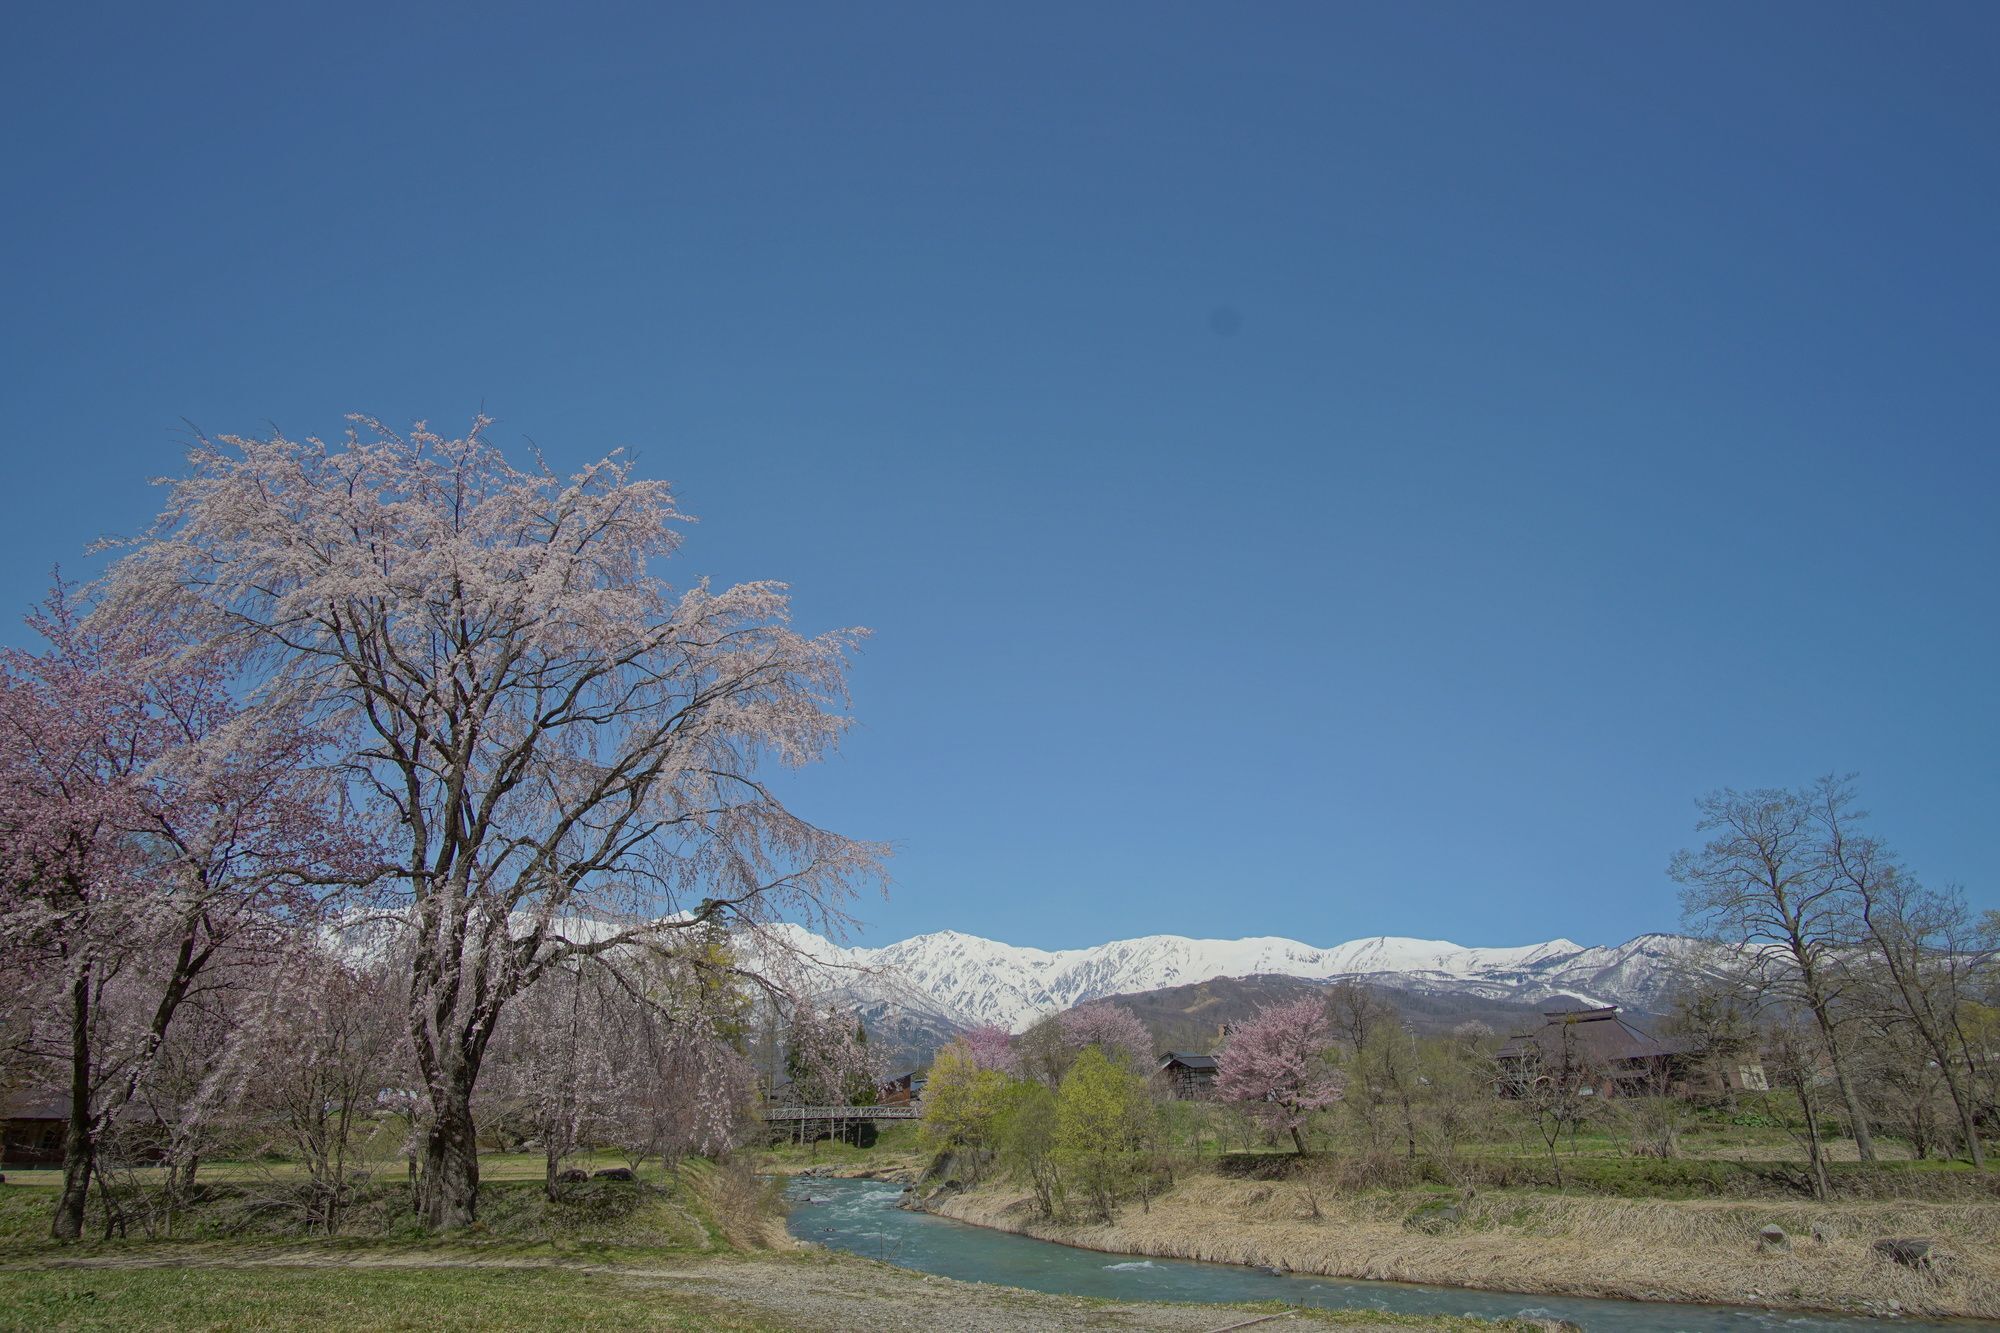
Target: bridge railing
{"x": 902, "y": 1112}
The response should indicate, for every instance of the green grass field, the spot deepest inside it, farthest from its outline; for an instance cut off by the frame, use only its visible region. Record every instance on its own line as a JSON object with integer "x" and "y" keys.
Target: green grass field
{"x": 268, "y": 1297}
{"x": 699, "y": 1209}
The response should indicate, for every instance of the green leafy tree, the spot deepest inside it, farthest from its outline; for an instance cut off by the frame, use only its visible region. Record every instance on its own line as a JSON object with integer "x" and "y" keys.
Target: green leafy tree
{"x": 1024, "y": 1136}
{"x": 960, "y": 1103}
{"x": 1104, "y": 1119}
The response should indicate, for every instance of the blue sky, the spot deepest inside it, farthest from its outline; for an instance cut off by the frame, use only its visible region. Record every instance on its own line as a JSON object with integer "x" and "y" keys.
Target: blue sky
{"x": 1311, "y": 470}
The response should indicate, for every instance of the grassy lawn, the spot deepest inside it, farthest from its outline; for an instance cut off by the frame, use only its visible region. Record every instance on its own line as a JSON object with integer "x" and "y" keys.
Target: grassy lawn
{"x": 494, "y": 1167}
{"x": 351, "y": 1297}
{"x": 699, "y": 1209}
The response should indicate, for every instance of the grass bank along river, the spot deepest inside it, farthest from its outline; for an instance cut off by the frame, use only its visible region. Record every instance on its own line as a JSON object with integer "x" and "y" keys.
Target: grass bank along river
{"x": 1539, "y": 1246}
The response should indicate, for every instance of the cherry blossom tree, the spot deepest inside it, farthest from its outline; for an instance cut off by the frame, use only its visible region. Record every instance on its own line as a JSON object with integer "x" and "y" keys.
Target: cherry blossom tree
{"x": 700, "y": 1102}
{"x": 324, "y": 1051}
{"x": 1113, "y": 1029}
{"x": 566, "y": 1063}
{"x": 1275, "y": 1065}
{"x": 828, "y": 1059}
{"x": 152, "y": 830}
{"x": 565, "y": 752}
{"x": 991, "y": 1047}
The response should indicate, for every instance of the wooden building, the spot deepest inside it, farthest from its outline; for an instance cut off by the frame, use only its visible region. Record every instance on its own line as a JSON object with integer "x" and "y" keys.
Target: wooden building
{"x": 903, "y": 1090}
{"x": 32, "y": 1127}
{"x": 1593, "y": 1050}
{"x": 1189, "y": 1077}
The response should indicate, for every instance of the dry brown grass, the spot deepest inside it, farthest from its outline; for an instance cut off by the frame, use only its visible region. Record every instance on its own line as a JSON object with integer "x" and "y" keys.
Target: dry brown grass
{"x": 1699, "y": 1250}
{"x": 744, "y": 1206}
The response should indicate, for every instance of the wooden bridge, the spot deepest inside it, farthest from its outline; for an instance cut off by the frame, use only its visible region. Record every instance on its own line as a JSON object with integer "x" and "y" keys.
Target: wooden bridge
{"x": 853, "y": 1124}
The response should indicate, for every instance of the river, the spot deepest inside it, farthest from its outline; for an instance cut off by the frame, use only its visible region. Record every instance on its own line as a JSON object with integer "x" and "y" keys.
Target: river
{"x": 862, "y": 1216}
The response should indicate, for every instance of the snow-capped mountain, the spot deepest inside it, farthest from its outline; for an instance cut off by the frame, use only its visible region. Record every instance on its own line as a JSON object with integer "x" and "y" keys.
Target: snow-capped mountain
{"x": 968, "y": 981}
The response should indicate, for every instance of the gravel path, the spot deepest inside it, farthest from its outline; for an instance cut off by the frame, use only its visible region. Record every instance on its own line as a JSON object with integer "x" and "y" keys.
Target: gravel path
{"x": 812, "y": 1292}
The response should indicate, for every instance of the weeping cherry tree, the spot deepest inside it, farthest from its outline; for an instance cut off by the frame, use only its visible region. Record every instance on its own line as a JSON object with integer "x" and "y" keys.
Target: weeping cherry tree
{"x": 565, "y": 753}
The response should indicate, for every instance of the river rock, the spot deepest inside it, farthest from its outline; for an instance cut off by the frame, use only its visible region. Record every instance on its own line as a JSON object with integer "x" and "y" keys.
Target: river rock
{"x": 1909, "y": 1251}
{"x": 1772, "y": 1239}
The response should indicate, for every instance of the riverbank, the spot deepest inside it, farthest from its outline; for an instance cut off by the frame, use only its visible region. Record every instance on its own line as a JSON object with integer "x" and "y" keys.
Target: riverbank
{"x": 172, "y": 1288}
{"x": 1548, "y": 1244}
{"x": 701, "y": 1248}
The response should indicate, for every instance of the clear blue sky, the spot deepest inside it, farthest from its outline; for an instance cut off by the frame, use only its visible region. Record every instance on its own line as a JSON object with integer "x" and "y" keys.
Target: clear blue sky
{"x": 1313, "y": 470}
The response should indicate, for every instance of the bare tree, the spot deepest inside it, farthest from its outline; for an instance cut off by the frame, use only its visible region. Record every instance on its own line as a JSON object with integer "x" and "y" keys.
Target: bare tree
{"x": 1359, "y": 1015}
{"x": 1765, "y": 886}
{"x": 1792, "y": 1055}
{"x": 1715, "y": 1018}
{"x": 563, "y": 752}
{"x": 1923, "y": 941}
{"x": 1556, "y": 1083}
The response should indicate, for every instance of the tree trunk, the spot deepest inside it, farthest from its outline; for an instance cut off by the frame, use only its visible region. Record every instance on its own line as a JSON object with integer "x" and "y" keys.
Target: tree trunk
{"x": 1968, "y": 1120}
{"x": 1822, "y": 1187}
{"x": 451, "y": 1158}
{"x": 1857, "y": 1121}
{"x": 552, "y": 1163}
{"x": 78, "y": 1154}
{"x": 1298, "y": 1141}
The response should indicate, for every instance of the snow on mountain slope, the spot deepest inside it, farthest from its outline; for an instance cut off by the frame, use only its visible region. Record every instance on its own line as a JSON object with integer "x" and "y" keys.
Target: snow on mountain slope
{"x": 970, "y": 981}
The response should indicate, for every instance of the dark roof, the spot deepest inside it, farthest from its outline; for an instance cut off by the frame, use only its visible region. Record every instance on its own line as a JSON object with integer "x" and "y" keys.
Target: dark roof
{"x": 34, "y": 1106}
{"x": 1593, "y": 1036}
{"x": 1187, "y": 1059}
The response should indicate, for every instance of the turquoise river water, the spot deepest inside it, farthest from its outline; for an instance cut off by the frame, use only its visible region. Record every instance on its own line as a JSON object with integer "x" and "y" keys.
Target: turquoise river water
{"x": 862, "y": 1216}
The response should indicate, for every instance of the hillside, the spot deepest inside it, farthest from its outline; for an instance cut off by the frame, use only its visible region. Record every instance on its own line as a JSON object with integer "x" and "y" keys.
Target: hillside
{"x": 1191, "y": 1017}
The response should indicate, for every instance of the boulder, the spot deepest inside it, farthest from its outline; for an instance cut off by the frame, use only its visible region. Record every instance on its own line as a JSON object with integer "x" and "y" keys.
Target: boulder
{"x": 572, "y": 1176}
{"x": 1771, "y": 1239}
{"x": 614, "y": 1173}
{"x": 1909, "y": 1251}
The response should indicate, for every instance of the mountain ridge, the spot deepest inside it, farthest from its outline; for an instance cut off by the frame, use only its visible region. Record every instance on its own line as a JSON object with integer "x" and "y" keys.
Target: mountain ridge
{"x": 968, "y": 981}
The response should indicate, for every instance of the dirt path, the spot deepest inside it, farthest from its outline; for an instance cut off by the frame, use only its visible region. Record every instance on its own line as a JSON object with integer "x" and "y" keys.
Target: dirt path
{"x": 814, "y": 1292}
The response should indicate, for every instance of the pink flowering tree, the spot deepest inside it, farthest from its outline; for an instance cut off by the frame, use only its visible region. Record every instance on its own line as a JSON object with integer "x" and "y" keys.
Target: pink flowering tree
{"x": 700, "y": 1102}
{"x": 324, "y": 1052}
{"x": 632, "y": 1052}
{"x": 567, "y": 754}
{"x": 828, "y": 1058}
{"x": 1275, "y": 1066}
{"x": 153, "y": 834}
{"x": 1113, "y": 1029}
{"x": 991, "y": 1047}
{"x": 569, "y": 1059}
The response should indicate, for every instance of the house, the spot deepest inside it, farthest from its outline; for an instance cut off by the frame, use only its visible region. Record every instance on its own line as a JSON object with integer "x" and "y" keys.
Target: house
{"x": 32, "y": 1126}
{"x": 1593, "y": 1049}
{"x": 1745, "y": 1073}
{"x": 903, "y": 1090}
{"x": 1189, "y": 1077}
